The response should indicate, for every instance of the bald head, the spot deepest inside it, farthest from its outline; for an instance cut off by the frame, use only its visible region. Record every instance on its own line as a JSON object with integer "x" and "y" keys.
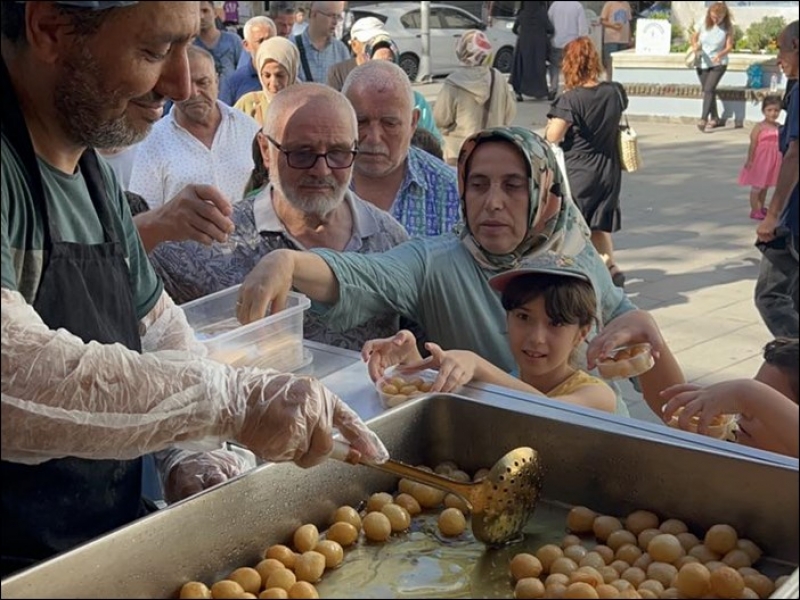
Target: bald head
{"x": 379, "y": 76}
{"x": 309, "y": 99}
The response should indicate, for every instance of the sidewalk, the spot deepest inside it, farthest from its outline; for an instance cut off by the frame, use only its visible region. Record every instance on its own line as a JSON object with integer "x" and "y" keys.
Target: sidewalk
{"x": 686, "y": 246}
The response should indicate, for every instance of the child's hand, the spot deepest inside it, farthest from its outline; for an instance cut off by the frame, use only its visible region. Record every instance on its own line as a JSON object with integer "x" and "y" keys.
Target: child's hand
{"x": 456, "y": 367}
{"x": 705, "y": 403}
{"x": 382, "y": 353}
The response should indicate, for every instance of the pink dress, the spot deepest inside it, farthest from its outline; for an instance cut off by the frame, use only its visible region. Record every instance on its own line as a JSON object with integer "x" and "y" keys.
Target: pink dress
{"x": 763, "y": 172}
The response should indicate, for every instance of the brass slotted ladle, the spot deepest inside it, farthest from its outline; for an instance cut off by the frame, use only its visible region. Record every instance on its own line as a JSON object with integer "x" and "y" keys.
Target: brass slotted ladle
{"x": 501, "y": 503}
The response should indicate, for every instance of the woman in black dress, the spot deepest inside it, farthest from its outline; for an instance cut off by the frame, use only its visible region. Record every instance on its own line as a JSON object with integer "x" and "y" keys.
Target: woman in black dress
{"x": 585, "y": 121}
{"x": 533, "y": 29}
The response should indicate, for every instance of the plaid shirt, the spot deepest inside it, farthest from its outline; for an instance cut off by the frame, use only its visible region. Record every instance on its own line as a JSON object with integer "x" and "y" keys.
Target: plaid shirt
{"x": 427, "y": 203}
{"x": 319, "y": 61}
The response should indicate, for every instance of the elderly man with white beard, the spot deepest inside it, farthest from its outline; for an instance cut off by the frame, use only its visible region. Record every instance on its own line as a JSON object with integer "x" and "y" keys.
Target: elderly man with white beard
{"x": 307, "y": 205}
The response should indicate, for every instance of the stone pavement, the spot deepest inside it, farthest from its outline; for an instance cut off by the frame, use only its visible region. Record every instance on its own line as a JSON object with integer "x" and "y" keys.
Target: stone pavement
{"x": 686, "y": 246}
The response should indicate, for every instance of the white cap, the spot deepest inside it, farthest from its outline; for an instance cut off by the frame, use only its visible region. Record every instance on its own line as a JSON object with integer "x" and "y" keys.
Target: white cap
{"x": 366, "y": 28}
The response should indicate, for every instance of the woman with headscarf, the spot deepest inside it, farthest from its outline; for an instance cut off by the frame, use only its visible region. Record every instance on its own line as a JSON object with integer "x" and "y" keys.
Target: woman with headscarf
{"x": 529, "y": 72}
{"x": 511, "y": 197}
{"x": 473, "y": 97}
{"x": 277, "y": 60}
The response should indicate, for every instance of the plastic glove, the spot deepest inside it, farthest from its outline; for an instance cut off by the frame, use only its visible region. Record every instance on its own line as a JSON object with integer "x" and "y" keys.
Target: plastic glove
{"x": 165, "y": 328}
{"x": 185, "y": 473}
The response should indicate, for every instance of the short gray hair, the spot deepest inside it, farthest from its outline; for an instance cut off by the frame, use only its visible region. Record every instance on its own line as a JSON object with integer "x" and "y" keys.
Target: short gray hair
{"x": 379, "y": 75}
{"x": 260, "y": 20}
{"x": 195, "y": 50}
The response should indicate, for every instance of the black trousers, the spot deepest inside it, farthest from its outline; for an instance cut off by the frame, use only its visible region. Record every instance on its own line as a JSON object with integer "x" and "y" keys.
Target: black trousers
{"x": 709, "y": 80}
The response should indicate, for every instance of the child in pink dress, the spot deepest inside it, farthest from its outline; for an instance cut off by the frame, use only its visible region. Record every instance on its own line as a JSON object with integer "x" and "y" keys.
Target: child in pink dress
{"x": 763, "y": 158}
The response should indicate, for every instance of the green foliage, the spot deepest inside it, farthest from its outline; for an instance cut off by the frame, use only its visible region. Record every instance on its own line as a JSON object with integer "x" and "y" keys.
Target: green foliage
{"x": 742, "y": 44}
{"x": 763, "y": 35}
{"x": 681, "y": 47}
{"x": 738, "y": 34}
{"x": 678, "y": 33}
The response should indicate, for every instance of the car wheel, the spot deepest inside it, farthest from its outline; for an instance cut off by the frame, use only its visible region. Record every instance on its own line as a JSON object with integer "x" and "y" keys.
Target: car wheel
{"x": 504, "y": 59}
{"x": 410, "y": 64}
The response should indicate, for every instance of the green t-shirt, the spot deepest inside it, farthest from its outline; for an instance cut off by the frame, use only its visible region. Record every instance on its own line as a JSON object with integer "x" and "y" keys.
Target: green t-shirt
{"x": 72, "y": 210}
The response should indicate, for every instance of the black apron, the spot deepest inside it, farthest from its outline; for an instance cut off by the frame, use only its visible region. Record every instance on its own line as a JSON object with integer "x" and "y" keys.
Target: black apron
{"x": 86, "y": 289}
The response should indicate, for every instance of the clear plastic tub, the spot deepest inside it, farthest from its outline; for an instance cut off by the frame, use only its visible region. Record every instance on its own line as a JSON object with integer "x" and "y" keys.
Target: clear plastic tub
{"x": 628, "y": 361}
{"x": 274, "y": 342}
{"x": 395, "y": 388}
{"x": 722, "y": 427}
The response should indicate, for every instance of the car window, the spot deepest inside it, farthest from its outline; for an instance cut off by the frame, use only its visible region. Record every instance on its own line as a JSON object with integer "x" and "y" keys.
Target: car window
{"x": 411, "y": 20}
{"x": 454, "y": 19}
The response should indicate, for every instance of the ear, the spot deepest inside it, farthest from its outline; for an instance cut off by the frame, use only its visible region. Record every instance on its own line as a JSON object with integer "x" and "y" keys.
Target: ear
{"x": 414, "y": 118}
{"x": 263, "y": 145}
{"x": 582, "y": 333}
{"x": 46, "y": 30}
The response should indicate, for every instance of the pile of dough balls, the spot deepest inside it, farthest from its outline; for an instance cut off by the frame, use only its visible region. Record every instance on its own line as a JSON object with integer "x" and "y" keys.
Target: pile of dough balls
{"x": 291, "y": 570}
{"x": 396, "y": 390}
{"x": 642, "y": 558}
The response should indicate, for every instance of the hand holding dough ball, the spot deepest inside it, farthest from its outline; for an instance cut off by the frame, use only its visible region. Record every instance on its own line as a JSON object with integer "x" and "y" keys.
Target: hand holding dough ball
{"x": 248, "y": 578}
{"x": 721, "y": 539}
{"x": 408, "y": 502}
{"x": 377, "y": 527}
{"x": 580, "y": 519}
{"x": 525, "y": 565}
{"x": 343, "y": 533}
{"x": 377, "y": 501}
{"x": 283, "y": 579}
{"x": 604, "y": 526}
{"x": 332, "y": 551}
{"x": 529, "y": 587}
{"x": 399, "y": 518}
{"x": 303, "y": 589}
{"x": 194, "y": 589}
{"x": 310, "y": 566}
{"x": 347, "y": 514}
{"x": 226, "y": 589}
{"x": 282, "y": 553}
{"x": 452, "y": 522}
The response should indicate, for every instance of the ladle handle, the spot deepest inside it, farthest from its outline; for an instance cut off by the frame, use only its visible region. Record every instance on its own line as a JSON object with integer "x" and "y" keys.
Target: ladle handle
{"x": 343, "y": 452}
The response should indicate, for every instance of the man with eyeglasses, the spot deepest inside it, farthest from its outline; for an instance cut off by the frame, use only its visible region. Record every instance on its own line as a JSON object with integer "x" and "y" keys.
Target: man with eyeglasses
{"x": 318, "y": 45}
{"x": 306, "y": 205}
{"x": 245, "y": 79}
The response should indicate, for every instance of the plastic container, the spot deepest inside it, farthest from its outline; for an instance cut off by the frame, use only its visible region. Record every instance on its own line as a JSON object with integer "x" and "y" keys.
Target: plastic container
{"x": 274, "y": 342}
{"x": 395, "y": 388}
{"x": 628, "y": 361}
{"x": 722, "y": 427}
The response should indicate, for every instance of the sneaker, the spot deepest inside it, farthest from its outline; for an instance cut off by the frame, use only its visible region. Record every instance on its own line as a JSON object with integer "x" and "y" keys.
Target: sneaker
{"x": 758, "y": 215}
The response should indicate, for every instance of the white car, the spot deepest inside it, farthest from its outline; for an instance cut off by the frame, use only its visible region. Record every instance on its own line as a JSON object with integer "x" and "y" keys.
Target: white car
{"x": 447, "y": 23}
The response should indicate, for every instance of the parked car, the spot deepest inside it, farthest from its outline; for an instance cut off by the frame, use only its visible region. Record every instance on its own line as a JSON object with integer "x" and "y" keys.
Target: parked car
{"x": 402, "y": 21}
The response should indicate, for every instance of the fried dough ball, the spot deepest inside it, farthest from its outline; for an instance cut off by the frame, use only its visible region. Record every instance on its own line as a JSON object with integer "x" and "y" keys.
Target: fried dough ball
{"x": 643, "y": 539}
{"x": 248, "y": 578}
{"x": 604, "y": 526}
{"x": 274, "y": 593}
{"x": 547, "y": 554}
{"x": 570, "y": 540}
{"x": 445, "y": 467}
{"x": 580, "y": 519}
{"x": 452, "y": 522}
{"x": 342, "y": 533}
{"x": 377, "y": 527}
{"x": 525, "y": 565}
{"x": 592, "y": 559}
{"x": 580, "y": 590}
{"x": 332, "y": 551}
{"x": 226, "y": 589}
{"x": 267, "y": 566}
{"x": 619, "y": 566}
{"x": 633, "y": 575}
{"x": 630, "y": 553}
{"x": 653, "y": 585}
{"x": 609, "y": 574}
{"x": 748, "y": 594}
{"x": 305, "y": 537}
{"x": 606, "y": 552}
{"x": 673, "y": 527}
{"x": 563, "y": 565}
{"x": 622, "y": 584}
{"x": 576, "y": 552}
{"x": 645, "y": 593}
{"x": 347, "y": 514}
{"x": 399, "y": 518}
{"x": 282, "y": 553}
{"x": 194, "y": 589}
{"x": 662, "y": 572}
{"x": 404, "y": 486}
{"x": 685, "y": 560}
{"x": 303, "y": 589}
{"x": 702, "y": 553}
{"x": 588, "y": 575}
{"x": 727, "y": 582}
{"x": 688, "y": 540}
{"x": 605, "y": 590}
{"x": 454, "y": 501}
{"x": 753, "y": 551}
{"x": 408, "y": 502}
{"x": 619, "y": 538}
{"x": 427, "y": 496}
{"x": 643, "y": 561}
{"x": 480, "y": 474}
{"x": 378, "y": 500}
{"x": 459, "y": 475}
{"x": 556, "y": 578}
{"x": 665, "y": 547}
{"x": 737, "y": 559}
{"x": 639, "y": 520}
{"x": 555, "y": 590}
{"x": 671, "y": 592}
{"x": 713, "y": 565}
{"x": 281, "y": 578}
{"x": 310, "y": 566}
{"x": 721, "y": 539}
{"x": 529, "y": 587}
{"x": 693, "y": 580}
{"x": 760, "y": 584}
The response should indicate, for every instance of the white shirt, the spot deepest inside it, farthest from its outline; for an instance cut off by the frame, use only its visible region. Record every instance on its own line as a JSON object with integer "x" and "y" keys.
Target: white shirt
{"x": 122, "y": 164}
{"x": 170, "y": 158}
{"x": 569, "y": 22}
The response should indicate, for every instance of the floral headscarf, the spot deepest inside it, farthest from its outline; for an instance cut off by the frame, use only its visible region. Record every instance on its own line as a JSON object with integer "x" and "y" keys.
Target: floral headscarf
{"x": 382, "y": 40}
{"x": 555, "y": 223}
{"x": 474, "y": 49}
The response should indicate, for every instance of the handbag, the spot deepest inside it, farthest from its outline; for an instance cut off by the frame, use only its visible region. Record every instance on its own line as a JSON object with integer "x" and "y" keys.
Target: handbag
{"x": 692, "y": 59}
{"x": 629, "y": 154}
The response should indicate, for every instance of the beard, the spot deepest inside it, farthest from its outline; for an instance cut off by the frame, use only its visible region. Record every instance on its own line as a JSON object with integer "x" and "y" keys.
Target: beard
{"x": 320, "y": 204}
{"x": 82, "y": 104}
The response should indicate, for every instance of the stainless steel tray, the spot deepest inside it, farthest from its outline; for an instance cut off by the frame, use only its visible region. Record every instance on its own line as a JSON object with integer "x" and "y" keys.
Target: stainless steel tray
{"x": 599, "y": 462}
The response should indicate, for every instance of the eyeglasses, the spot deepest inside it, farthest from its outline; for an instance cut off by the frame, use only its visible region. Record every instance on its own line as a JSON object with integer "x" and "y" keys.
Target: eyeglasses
{"x": 305, "y": 159}
{"x": 334, "y": 16}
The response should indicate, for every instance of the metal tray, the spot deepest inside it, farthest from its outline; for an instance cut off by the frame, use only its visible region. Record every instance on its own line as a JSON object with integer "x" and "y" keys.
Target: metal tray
{"x": 598, "y": 462}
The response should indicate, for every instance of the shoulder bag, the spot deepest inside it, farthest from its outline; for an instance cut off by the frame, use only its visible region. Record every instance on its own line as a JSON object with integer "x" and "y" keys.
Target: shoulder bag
{"x": 303, "y": 58}
{"x": 629, "y": 154}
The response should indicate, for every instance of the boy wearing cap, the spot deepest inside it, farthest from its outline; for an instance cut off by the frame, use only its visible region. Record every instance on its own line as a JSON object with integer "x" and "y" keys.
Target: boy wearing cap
{"x": 551, "y": 307}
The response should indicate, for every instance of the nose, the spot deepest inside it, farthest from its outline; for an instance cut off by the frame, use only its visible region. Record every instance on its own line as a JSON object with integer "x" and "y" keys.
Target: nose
{"x": 175, "y": 80}
{"x": 536, "y": 334}
{"x": 320, "y": 168}
{"x": 369, "y": 133}
{"x": 495, "y": 197}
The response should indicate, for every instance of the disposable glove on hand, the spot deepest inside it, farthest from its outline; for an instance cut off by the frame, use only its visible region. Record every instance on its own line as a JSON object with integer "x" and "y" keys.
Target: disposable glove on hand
{"x": 186, "y": 473}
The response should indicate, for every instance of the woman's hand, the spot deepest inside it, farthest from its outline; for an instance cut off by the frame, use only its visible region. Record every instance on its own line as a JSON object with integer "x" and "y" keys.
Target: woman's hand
{"x": 633, "y": 327}
{"x": 382, "y": 353}
{"x": 456, "y": 367}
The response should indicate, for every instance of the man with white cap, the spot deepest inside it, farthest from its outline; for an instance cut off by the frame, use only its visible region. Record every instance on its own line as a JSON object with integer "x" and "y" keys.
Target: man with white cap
{"x": 361, "y": 33}
{"x": 99, "y": 366}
